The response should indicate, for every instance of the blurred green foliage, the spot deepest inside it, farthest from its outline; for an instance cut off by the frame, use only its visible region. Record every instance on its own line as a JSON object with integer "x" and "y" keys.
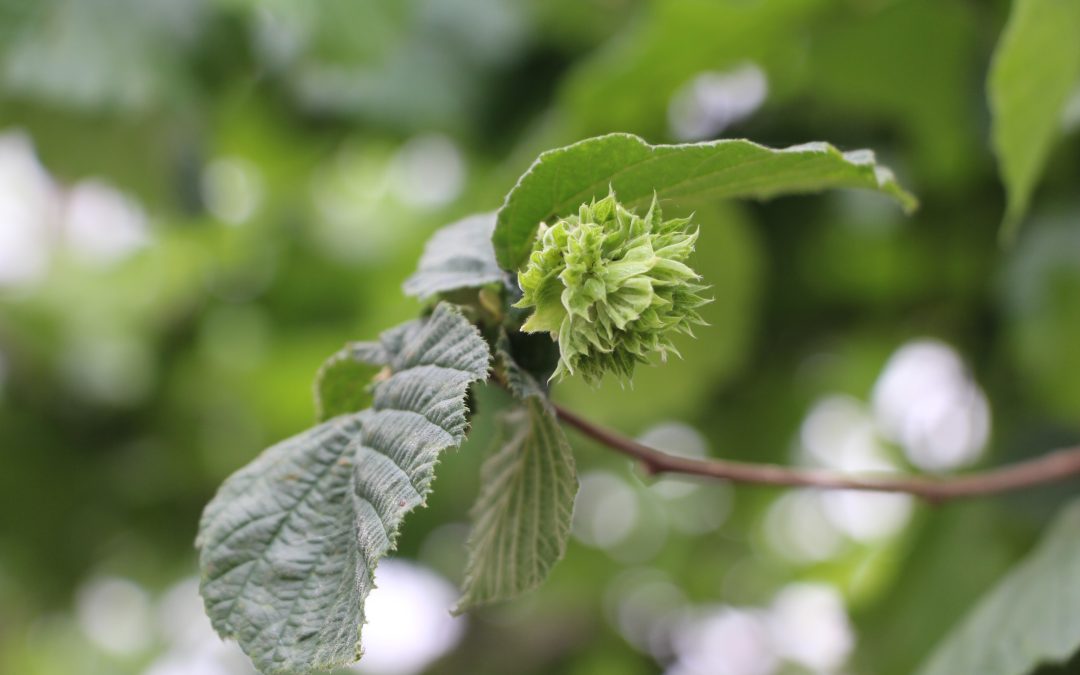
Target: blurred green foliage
{"x": 201, "y": 200}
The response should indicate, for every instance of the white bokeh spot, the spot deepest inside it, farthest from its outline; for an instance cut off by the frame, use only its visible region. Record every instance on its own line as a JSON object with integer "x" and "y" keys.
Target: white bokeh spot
{"x": 606, "y": 510}
{"x": 713, "y": 101}
{"x": 103, "y": 225}
{"x": 409, "y": 621}
{"x": 926, "y": 401}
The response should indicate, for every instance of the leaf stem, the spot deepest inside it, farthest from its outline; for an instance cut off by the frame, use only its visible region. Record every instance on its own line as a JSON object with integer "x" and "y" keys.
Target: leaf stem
{"x": 1052, "y": 467}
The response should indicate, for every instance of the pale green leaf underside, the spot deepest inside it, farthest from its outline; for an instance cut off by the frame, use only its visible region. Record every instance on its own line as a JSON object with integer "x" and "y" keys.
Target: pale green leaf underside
{"x": 1035, "y": 69}
{"x": 560, "y": 180}
{"x": 1031, "y": 618}
{"x": 521, "y": 519}
{"x": 288, "y": 546}
{"x": 457, "y": 256}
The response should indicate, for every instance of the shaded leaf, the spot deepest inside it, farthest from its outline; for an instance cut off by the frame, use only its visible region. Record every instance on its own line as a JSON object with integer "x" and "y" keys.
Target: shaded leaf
{"x": 1031, "y": 618}
{"x": 288, "y": 546}
{"x": 560, "y": 180}
{"x": 457, "y": 256}
{"x": 521, "y": 519}
{"x": 1035, "y": 68}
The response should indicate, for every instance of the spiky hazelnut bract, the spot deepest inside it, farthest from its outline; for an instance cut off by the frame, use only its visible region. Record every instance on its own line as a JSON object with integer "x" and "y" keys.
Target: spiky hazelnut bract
{"x": 612, "y": 287}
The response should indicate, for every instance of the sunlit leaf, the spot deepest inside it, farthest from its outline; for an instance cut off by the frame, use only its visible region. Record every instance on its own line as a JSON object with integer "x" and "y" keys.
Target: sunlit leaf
{"x": 1035, "y": 68}
{"x": 560, "y": 180}
{"x": 288, "y": 547}
{"x": 1031, "y": 618}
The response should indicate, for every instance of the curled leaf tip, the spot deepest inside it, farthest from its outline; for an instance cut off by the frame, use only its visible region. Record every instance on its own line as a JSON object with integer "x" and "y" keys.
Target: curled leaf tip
{"x": 613, "y": 287}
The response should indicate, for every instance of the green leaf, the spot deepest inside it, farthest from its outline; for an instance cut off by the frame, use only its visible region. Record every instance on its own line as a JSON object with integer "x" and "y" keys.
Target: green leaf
{"x": 1035, "y": 68}
{"x": 1031, "y": 618}
{"x": 457, "y": 256}
{"x": 521, "y": 519}
{"x": 344, "y": 383}
{"x": 288, "y": 546}
{"x": 560, "y": 180}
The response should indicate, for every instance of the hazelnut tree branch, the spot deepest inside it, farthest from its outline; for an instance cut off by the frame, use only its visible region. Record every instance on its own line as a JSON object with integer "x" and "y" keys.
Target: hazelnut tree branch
{"x": 1053, "y": 467}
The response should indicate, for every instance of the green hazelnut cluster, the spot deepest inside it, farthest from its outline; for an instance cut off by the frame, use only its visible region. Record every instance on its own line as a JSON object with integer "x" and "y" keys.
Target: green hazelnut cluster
{"x": 612, "y": 287}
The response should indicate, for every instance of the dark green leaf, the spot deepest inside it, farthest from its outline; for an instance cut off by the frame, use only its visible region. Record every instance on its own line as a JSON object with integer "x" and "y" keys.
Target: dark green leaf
{"x": 288, "y": 547}
{"x": 560, "y": 180}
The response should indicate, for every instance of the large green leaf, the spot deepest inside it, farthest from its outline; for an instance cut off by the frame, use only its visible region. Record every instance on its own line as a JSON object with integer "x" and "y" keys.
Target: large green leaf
{"x": 560, "y": 180}
{"x": 521, "y": 519}
{"x": 1031, "y": 618}
{"x": 1035, "y": 68}
{"x": 288, "y": 546}
{"x": 457, "y": 256}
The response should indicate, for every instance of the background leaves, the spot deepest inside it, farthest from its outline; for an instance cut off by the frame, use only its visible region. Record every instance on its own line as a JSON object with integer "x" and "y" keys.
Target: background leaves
{"x": 1036, "y": 67}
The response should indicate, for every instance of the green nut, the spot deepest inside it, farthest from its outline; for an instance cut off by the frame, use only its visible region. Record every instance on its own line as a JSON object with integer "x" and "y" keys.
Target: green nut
{"x": 612, "y": 287}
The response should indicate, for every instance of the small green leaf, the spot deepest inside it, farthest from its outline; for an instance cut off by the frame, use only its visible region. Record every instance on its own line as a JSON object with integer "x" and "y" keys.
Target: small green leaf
{"x": 561, "y": 180}
{"x": 1035, "y": 68}
{"x": 457, "y": 256}
{"x": 521, "y": 519}
{"x": 1031, "y": 618}
{"x": 288, "y": 546}
{"x": 344, "y": 383}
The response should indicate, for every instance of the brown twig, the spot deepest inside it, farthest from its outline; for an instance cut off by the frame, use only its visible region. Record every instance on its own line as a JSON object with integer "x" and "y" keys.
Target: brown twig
{"x": 1050, "y": 468}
